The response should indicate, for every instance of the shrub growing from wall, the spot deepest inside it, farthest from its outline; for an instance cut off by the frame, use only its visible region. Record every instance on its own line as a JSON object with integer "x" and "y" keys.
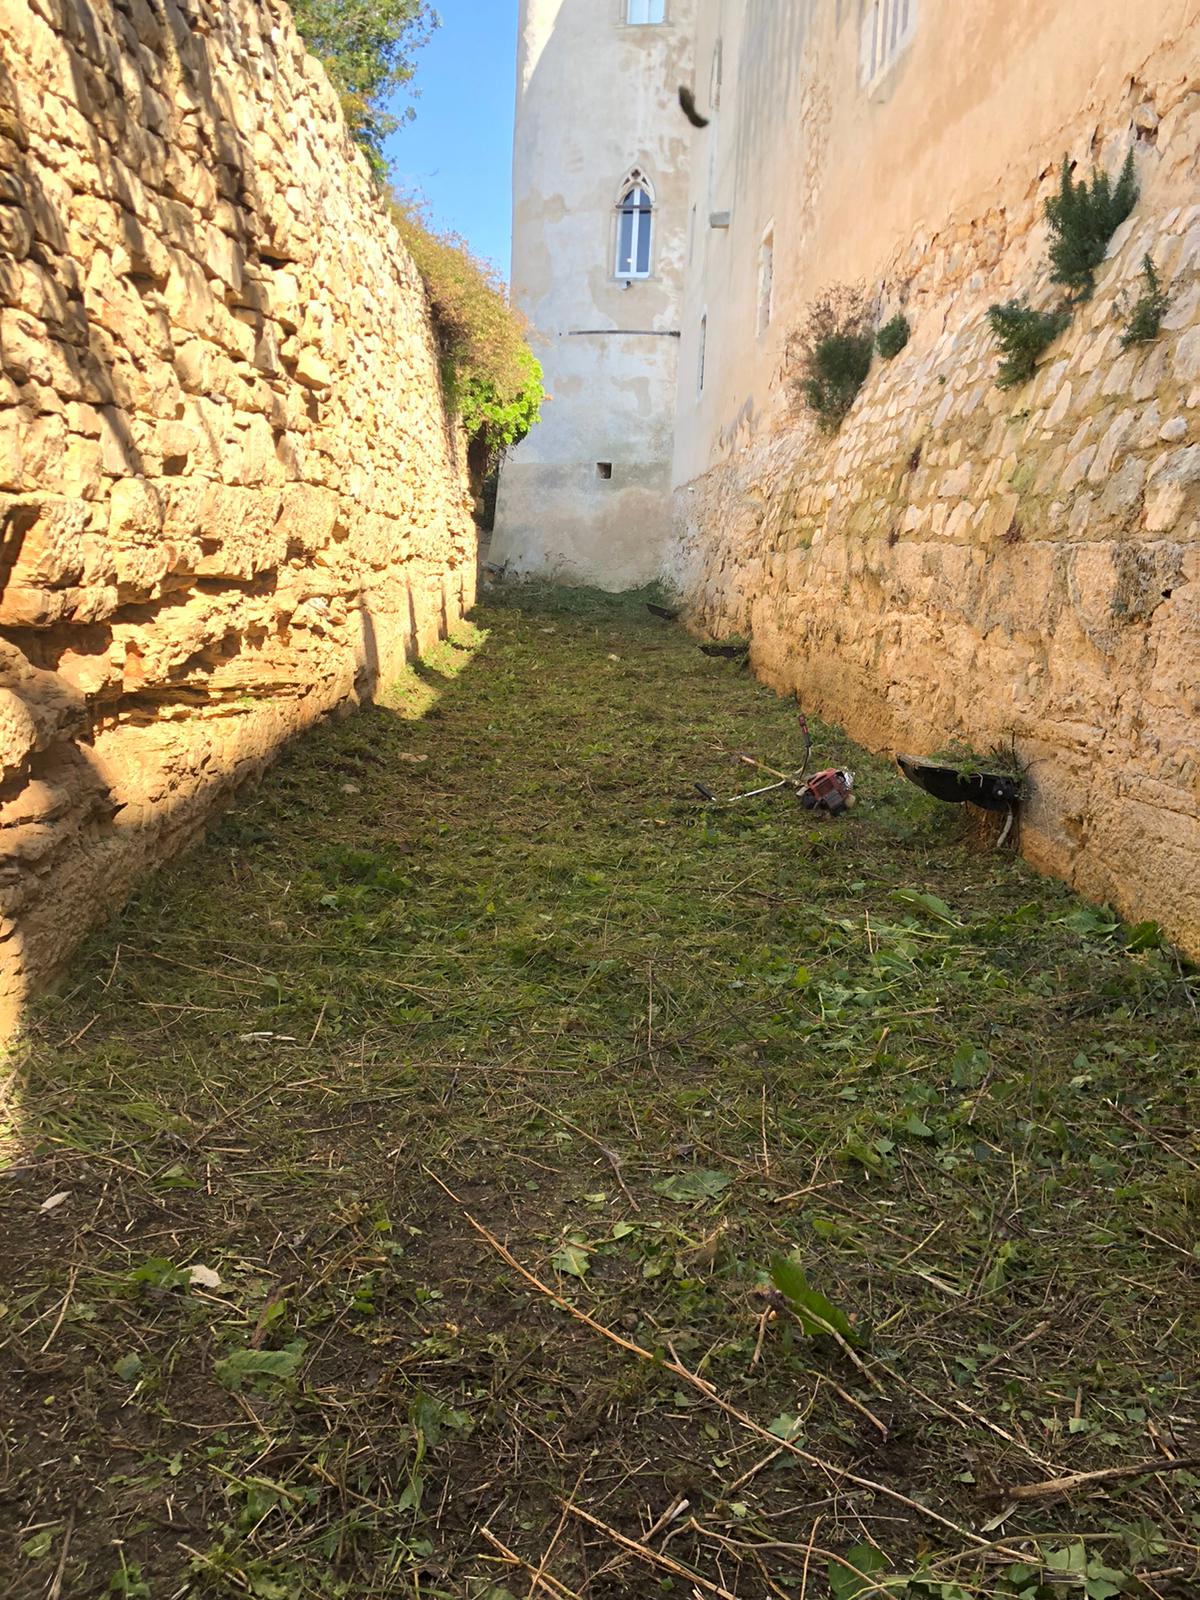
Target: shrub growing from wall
{"x": 1149, "y": 309}
{"x": 833, "y": 349}
{"x": 893, "y": 336}
{"x": 1022, "y": 335}
{"x": 1083, "y": 219}
{"x": 491, "y": 377}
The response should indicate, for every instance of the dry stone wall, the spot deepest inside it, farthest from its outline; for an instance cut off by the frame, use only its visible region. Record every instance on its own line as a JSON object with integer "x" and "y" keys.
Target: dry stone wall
{"x": 229, "y": 498}
{"x": 961, "y": 561}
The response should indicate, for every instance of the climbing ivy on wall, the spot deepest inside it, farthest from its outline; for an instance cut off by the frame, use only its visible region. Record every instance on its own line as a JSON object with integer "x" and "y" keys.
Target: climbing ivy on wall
{"x": 367, "y": 48}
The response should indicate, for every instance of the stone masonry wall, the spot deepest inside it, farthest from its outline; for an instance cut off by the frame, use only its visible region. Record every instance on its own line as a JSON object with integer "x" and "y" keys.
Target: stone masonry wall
{"x": 961, "y": 561}
{"x": 229, "y": 498}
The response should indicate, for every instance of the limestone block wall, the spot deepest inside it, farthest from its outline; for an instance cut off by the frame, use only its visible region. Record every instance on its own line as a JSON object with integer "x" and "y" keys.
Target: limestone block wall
{"x": 229, "y": 496}
{"x": 965, "y": 562}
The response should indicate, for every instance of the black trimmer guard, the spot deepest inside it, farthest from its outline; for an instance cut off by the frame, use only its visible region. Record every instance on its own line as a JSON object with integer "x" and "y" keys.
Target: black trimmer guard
{"x": 993, "y": 791}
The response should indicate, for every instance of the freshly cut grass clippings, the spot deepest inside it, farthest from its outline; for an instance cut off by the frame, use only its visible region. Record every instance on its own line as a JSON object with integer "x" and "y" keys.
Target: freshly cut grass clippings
{"x": 488, "y": 931}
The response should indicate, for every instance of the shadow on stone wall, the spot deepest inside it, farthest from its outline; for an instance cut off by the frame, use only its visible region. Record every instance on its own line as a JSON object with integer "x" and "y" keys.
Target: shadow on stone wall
{"x": 204, "y": 543}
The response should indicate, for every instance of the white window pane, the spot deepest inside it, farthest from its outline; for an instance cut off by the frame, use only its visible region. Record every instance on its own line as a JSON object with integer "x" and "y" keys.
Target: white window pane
{"x": 643, "y": 244}
{"x": 625, "y": 245}
{"x": 634, "y": 222}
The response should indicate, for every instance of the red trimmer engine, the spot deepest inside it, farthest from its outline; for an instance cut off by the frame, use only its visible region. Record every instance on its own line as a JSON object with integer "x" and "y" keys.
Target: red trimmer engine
{"x": 831, "y": 790}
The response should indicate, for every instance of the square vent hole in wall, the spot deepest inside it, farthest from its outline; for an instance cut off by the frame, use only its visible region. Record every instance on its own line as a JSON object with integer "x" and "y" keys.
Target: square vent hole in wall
{"x": 604, "y": 469}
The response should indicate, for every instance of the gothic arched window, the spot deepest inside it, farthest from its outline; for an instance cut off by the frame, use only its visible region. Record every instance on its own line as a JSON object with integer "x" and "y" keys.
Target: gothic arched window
{"x": 634, "y": 223}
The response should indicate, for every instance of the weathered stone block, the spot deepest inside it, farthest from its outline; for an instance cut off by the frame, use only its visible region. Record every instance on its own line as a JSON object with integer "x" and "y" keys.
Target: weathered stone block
{"x": 18, "y": 733}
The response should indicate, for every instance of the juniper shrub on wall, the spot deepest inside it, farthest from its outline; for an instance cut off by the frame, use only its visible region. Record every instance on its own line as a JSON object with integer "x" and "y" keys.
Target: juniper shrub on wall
{"x": 832, "y": 350}
{"x": 1022, "y": 335}
{"x": 1145, "y": 320}
{"x": 1083, "y": 219}
{"x": 893, "y": 336}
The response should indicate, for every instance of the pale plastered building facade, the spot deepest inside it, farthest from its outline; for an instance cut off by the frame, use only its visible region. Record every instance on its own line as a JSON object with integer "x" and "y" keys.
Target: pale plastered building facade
{"x": 957, "y": 561}
{"x": 600, "y": 174}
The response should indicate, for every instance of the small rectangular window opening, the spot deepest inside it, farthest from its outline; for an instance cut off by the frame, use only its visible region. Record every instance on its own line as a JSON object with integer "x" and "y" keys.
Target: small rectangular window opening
{"x": 604, "y": 469}
{"x": 703, "y": 354}
{"x": 642, "y": 11}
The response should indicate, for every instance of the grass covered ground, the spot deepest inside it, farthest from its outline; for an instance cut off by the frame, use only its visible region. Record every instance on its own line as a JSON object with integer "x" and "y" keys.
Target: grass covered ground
{"x": 482, "y": 953}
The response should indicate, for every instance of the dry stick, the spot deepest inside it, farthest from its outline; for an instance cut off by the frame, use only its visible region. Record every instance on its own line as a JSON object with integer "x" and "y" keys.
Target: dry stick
{"x": 753, "y": 1472}
{"x": 705, "y": 1388}
{"x": 867, "y": 1585}
{"x": 1150, "y": 1134}
{"x": 762, "y": 1334}
{"x": 808, "y": 1554}
{"x": 540, "y": 1580}
{"x": 549, "y": 1550}
{"x": 62, "y": 1311}
{"x": 858, "y": 1406}
{"x": 1056, "y": 1488}
{"x": 812, "y": 1188}
{"x": 766, "y": 1158}
{"x": 675, "y": 1509}
{"x": 654, "y": 1557}
{"x": 1003, "y": 1355}
{"x": 56, "y": 1583}
{"x": 673, "y": 1512}
{"x": 610, "y": 1156}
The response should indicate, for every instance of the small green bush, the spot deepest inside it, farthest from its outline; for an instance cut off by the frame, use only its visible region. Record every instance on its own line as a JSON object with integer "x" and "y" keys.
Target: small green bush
{"x": 491, "y": 377}
{"x": 1082, "y": 221}
{"x": 1022, "y": 335}
{"x": 833, "y": 349}
{"x": 1145, "y": 320}
{"x": 893, "y": 336}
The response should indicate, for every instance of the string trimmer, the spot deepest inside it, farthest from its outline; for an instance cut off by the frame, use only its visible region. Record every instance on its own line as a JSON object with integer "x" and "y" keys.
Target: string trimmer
{"x": 831, "y": 790}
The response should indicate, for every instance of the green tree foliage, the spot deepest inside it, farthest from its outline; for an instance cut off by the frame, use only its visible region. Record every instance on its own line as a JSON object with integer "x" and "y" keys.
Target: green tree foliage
{"x": 367, "y": 48}
{"x": 1083, "y": 219}
{"x": 490, "y": 374}
{"x": 1022, "y": 335}
{"x": 503, "y": 419}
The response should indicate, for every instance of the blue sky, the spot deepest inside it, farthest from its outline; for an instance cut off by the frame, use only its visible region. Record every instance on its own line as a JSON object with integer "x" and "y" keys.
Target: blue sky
{"x": 458, "y": 151}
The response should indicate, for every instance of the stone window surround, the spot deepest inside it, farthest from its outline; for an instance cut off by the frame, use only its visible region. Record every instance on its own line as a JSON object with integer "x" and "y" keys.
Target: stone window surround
{"x": 635, "y": 178}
